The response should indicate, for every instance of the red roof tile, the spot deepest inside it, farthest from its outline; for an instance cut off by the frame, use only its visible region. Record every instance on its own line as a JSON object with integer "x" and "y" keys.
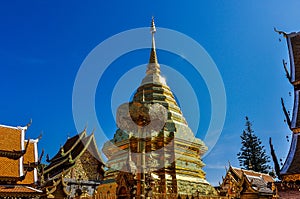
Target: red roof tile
{"x": 29, "y": 178}
{"x": 16, "y": 188}
{"x": 9, "y": 167}
{"x": 29, "y": 156}
{"x": 266, "y": 177}
{"x": 10, "y": 138}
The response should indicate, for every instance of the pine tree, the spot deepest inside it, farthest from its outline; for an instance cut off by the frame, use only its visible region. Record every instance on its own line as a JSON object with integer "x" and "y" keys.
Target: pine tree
{"x": 253, "y": 154}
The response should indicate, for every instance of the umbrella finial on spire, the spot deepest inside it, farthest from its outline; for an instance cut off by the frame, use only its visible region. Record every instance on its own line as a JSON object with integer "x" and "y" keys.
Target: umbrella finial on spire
{"x": 153, "y": 57}
{"x": 153, "y": 29}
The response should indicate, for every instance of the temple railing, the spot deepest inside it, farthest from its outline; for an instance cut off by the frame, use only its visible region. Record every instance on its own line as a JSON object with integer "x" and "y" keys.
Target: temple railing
{"x": 179, "y": 196}
{"x": 161, "y": 196}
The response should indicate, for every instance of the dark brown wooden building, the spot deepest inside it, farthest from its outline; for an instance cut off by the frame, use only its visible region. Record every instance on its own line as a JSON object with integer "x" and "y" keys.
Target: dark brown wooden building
{"x": 289, "y": 186}
{"x": 75, "y": 171}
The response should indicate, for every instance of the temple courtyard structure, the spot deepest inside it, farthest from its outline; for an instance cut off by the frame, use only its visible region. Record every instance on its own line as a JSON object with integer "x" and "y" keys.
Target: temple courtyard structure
{"x": 153, "y": 154}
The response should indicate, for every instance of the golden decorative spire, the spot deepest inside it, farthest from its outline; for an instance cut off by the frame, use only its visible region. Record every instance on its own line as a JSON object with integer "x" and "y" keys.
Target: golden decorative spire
{"x": 153, "y": 68}
{"x": 153, "y": 57}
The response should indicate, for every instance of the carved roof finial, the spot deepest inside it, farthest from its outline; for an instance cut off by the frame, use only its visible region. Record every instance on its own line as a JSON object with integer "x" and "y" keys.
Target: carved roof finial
{"x": 62, "y": 151}
{"x": 93, "y": 131}
{"x": 27, "y": 125}
{"x": 280, "y": 32}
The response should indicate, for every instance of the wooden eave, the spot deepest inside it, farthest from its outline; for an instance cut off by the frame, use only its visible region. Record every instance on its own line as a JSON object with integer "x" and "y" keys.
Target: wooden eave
{"x": 31, "y": 164}
{"x": 12, "y": 179}
{"x": 53, "y": 166}
{"x": 291, "y": 164}
{"x": 20, "y": 194}
{"x": 64, "y": 159}
{"x": 12, "y": 154}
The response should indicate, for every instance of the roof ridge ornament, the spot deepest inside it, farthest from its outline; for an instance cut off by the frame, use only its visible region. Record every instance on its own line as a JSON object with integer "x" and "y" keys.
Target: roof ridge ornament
{"x": 62, "y": 151}
{"x": 29, "y": 123}
{"x": 280, "y": 32}
{"x": 93, "y": 131}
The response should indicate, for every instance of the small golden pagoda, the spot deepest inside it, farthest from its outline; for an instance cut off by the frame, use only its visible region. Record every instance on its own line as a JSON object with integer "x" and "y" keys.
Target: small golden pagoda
{"x": 154, "y": 153}
{"x": 241, "y": 183}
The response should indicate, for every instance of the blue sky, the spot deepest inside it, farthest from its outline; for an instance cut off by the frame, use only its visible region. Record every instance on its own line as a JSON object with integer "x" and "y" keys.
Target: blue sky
{"x": 43, "y": 44}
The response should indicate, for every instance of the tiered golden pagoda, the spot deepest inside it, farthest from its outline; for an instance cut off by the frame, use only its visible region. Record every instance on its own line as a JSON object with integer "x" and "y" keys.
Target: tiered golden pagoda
{"x": 154, "y": 152}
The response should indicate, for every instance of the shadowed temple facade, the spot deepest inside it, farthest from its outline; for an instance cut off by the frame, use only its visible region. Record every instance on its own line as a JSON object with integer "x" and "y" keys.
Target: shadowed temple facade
{"x": 154, "y": 153}
{"x": 289, "y": 174}
{"x": 75, "y": 171}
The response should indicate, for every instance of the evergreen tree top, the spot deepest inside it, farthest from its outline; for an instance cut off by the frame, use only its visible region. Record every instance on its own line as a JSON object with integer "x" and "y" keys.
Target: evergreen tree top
{"x": 252, "y": 155}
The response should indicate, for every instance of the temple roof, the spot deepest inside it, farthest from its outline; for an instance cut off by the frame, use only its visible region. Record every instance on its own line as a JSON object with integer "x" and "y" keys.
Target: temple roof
{"x": 12, "y": 149}
{"x": 73, "y": 148}
{"x": 259, "y": 182}
{"x": 31, "y": 155}
{"x": 293, "y": 75}
{"x": 30, "y": 178}
{"x": 18, "y": 191}
{"x": 293, "y": 41}
{"x": 10, "y": 168}
{"x": 252, "y": 174}
{"x": 18, "y": 162}
{"x": 69, "y": 145}
{"x": 12, "y": 141}
{"x": 292, "y": 162}
{"x": 30, "y": 161}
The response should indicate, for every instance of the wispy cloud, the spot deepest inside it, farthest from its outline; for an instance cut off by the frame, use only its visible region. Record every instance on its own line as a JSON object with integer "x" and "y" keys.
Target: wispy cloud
{"x": 215, "y": 166}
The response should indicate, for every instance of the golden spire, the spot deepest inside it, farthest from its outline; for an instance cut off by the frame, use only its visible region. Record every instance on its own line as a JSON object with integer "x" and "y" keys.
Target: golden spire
{"x": 153, "y": 57}
{"x": 153, "y": 68}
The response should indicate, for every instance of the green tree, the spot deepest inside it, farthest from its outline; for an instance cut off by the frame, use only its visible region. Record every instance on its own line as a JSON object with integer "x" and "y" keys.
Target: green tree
{"x": 253, "y": 154}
